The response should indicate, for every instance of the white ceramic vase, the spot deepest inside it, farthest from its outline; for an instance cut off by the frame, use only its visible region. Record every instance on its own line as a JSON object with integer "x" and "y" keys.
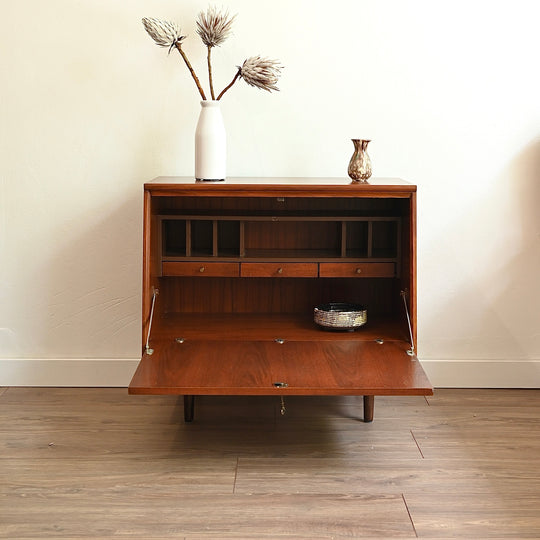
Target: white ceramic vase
{"x": 210, "y": 144}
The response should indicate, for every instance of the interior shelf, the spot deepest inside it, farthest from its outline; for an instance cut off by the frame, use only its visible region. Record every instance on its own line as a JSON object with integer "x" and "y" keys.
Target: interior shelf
{"x": 268, "y": 327}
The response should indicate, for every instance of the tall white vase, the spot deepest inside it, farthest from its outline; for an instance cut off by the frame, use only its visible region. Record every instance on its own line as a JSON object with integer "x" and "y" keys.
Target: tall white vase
{"x": 210, "y": 144}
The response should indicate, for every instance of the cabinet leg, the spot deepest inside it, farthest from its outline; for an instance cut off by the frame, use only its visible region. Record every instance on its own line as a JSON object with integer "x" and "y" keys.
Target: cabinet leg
{"x": 369, "y": 405}
{"x": 189, "y": 408}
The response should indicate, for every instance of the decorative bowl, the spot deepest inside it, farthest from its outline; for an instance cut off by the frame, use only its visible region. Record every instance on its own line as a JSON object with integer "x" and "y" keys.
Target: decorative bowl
{"x": 340, "y": 316}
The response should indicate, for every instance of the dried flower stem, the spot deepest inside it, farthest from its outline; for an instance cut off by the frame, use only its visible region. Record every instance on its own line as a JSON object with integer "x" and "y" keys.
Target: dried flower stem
{"x": 210, "y": 81}
{"x": 191, "y": 70}
{"x": 237, "y": 76}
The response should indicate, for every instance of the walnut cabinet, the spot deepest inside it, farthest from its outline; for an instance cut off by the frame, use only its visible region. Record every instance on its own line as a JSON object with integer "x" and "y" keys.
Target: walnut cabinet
{"x": 232, "y": 272}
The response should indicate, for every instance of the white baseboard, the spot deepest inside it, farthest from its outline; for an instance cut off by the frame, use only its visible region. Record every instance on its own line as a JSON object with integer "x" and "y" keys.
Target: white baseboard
{"x": 483, "y": 373}
{"x": 90, "y": 372}
{"x": 117, "y": 372}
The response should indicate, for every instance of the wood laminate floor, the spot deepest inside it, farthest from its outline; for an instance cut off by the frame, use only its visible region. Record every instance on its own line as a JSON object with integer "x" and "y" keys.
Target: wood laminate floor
{"x": 97, "y": 463}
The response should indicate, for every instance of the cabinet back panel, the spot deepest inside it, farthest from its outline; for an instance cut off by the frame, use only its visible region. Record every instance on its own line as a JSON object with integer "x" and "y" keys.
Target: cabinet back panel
{"x": 269, "y": 295}
{"x": 291, "y": 235}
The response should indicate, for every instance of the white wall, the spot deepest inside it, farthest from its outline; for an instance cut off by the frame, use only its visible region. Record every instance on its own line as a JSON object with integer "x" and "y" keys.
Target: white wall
{"x": 449, "y": 91}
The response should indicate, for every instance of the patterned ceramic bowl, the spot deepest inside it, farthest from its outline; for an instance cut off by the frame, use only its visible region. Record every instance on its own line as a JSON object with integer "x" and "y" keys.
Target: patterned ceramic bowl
{"x": 340, "y": 316}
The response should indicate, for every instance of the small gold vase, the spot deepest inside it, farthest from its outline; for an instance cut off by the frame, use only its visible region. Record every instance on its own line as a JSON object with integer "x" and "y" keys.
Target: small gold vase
{"x": 360, "y": 164}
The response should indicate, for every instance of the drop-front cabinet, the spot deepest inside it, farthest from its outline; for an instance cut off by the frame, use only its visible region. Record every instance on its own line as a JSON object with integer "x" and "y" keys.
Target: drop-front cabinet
{"x": 233, "y": 270}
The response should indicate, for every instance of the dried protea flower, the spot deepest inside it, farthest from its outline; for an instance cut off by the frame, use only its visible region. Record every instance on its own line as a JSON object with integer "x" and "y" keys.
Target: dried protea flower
{"x": 164, "y": 33}
{"x": 167, "y": 34}
{"x": 214, "y": 27}
{"x": 261, "y": 72}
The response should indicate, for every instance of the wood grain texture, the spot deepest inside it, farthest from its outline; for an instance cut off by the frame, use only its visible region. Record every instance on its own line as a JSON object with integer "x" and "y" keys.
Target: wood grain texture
{"x": 164, "y": 186}
{"x": 490, "y": 514}
{"x": 358, "y": 270}
{"x": 284, "y": 295}
{"x": 149, "y": 268}
{"x": 388, "y": 474}
{"x": 264, "y": 516}
{"x": 201, "y": 269}
{"x": 254, "y": 367}
{"x": 267, "y": 327}
{"x": 279, "y": 270}
{"x": 98, "y": 463}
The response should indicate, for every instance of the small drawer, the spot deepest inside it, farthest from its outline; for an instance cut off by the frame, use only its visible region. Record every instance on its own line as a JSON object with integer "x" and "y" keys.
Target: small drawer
{"x": 279, "y": 270}
{"x": 369, "y": 269}
{"x": 202, "y": 269}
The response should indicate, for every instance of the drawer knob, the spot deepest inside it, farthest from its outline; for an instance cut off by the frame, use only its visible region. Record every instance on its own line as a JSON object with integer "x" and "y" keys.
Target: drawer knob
{"x": 202, "y": 269}
{"x": 280, "y": 270}
{"x": 358, "y": 270}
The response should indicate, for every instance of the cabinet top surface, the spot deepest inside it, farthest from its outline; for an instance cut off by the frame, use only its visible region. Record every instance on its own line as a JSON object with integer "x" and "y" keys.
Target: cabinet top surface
{"x": 344, "y": 186}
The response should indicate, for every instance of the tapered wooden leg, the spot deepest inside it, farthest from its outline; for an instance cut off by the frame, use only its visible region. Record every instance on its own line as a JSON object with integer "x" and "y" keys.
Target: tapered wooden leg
{"x": 189, "y": 408}
{"x": 369, "y": 405}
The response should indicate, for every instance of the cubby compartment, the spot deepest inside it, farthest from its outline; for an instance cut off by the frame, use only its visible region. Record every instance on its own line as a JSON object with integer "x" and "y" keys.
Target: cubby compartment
{"x": 228, "y": 240}
{"x": 173, "y": 233}
{"x": 301, "y": 237}
{"x": 357, "y": 238}
{"x": 202, "y": 238}
{"x": 384, "y": 238}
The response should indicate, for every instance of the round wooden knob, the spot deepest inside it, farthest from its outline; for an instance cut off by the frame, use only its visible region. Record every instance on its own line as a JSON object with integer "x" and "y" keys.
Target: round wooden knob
{"x": 358, "y": 270}
{"x": 280, "y": 270}
{"x": 202, "y": 269}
